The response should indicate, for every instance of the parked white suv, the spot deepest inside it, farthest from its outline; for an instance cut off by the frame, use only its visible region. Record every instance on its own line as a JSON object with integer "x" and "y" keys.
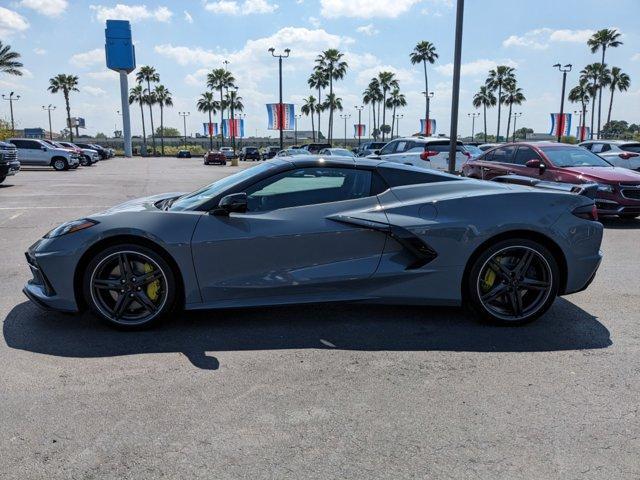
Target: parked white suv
{"x": 425, "y": 152}
{"x": 38, "y": 153}
{"x": 620, "y": 153}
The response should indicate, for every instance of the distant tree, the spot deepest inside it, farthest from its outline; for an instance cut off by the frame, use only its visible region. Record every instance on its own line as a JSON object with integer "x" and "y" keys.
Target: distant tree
{"x": 100, "y": 136}
{"x": 207, "y": 103}
{"x": 512, "y": 96}
{"x": 331, "y": 63}
{"x": 424, "y": 52}
{"x": 395, "y": 100}
{"x": 138, "y": 95}
{"x": 595, "y": 74}
{"x": 319, "y": 81}
{"x": 167, "y": 132}
{"x": 372, "y": 96}
{"x": 163, "y": 98}
{"x": 523, "y": 132}
{"x": 387, "y": 82}
{"x": 486, "y": 99}
{"x": 65, "y": 84}
{"x": 581, "y": 94}
{"x": 9, "y": 60}
{"x": 498, "y": 78}
{"x": 148, "y": 74}
{"x": 619, "y": 81}
{"x": 220, "y": 79}
{"x": 309, "y": 109}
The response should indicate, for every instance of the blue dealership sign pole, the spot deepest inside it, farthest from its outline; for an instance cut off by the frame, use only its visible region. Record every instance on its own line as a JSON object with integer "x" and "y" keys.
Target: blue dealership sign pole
{"x": 121, "y": 57}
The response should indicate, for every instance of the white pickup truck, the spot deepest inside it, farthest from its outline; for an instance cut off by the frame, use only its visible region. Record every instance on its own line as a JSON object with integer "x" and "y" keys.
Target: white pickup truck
{"x": 34, "y": 152}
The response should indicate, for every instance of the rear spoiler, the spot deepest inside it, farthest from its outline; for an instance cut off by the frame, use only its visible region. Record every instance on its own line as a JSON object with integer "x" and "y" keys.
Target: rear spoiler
{"x": 587, "y": 189}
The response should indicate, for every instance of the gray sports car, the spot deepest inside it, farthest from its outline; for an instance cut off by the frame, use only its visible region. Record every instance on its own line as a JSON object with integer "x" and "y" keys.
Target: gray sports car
{"x": 308, "y": 229}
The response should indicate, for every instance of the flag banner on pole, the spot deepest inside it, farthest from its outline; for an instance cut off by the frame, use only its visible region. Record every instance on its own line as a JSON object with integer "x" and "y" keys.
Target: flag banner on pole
{"x": 210, "y": 129}
{"x": 359, "y": 130}
{"x": 284, "y": 114}
{"x": 427, "y": 129}
{"x": 560, "y": 124}
{"x": 582, "y": 133}
{"x": 233, "y": 128}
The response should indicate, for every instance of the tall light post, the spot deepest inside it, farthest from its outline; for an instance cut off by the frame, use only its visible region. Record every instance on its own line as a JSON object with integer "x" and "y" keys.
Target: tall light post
{"x": 473, "y": 116}
{"x": 295, "y": 128}
{"x": 11, "y": 98}
{"x": 398, "y": 117}
{"x": 184, "y": 116}
{"x": 564, "y": 69}
{"x": 232, "y": 124}
{"x": 428, "y": 96}
{"x": 455, "y": 97}
{"x": 48, "y": 109}
{"x": 359, "y": 108}
{"x": 516, "y": 116}
{"x": 286, "y": 53}
{"x": 579, "y": 114}
{"x": 345, "y": 116}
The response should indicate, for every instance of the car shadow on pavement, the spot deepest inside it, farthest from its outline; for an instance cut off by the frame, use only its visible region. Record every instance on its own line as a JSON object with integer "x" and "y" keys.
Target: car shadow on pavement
{"x": 620, "y": 223}
{"x": 346, "y": 327}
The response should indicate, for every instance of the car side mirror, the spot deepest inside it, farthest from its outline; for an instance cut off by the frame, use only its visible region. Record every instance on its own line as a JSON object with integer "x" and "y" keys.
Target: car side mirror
{"x": 234, "y": 203}
{"x": 43, "y": 148}
{"x": 376, "y": 152}
{"x": 536, "y": 163}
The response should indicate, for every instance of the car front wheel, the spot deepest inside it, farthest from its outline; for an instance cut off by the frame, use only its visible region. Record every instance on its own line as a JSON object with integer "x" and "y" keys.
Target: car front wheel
{"x": 513, "y": 282}
{"x": 60, "y": 164}
{"x": 129, "y": 286}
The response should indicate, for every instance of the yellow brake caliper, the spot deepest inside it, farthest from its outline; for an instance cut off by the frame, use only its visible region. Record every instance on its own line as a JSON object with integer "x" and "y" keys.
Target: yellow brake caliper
{"x": 154, "y": 287}
{"x": 489, "y": 279}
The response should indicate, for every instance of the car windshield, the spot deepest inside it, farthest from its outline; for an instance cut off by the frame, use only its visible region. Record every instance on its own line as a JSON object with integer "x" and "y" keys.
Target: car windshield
{"x": 573, "y": 157}
{"x": 341, "y": 152}
{"x": 193, "y": 200}
{"x": 473, "y": 150}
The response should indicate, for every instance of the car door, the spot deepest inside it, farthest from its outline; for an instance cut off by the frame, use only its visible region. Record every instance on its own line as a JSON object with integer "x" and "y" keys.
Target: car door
{"x": 497, "y": 162}
{"x": 520, "y": 159}
{"x": 285, "y": 246}
{"x": 393, "y": 151}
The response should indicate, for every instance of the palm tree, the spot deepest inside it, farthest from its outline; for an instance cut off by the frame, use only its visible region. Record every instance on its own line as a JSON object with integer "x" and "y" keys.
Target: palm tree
{"x": 484, "y": 98}
{"x": 66, "y": 84}
{"x": 309, "y": 108}
{"x": 331, "y": 102}
{"x": 595, "y": 73}
{"x": 512, "y": 96}
{"x": 373, "y": 95}
{"x": 387, "y": 82}
{"x": 207, "y": 103}
{"x": 148, "y": 74}
{"x": 619, "y": 81}
{"x": 163, "y": 98}
{"x": 138, "y": 94}
{"x": 395, "y": 100}
{"x": 497, "y": 79}
{"x": 319, "y": 81}
{"x": 581, "y": 93}
{"x": 330, "y": 62}
{"x": 424, "y": 52}
{"x": 601, "y": 40}
{"x": 220, "y": 79}
{"x": 9, "y": 63}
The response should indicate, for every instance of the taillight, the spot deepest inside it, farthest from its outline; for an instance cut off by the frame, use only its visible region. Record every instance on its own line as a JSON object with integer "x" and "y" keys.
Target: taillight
{"x": 467, "y": 154}
{"x": 628, "y": 155}
{"x": 427, "y": 153}
{"x": 588, "y": 212}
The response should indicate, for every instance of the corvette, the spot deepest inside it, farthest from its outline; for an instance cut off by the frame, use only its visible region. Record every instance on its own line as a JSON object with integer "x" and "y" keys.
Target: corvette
{"x": 307, "y": 229}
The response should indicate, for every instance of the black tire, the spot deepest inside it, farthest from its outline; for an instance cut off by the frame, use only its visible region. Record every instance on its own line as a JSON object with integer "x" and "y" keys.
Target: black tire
{"x": 529, "y": 287}
{"x": 86, "y": 161}
{"x": 59, "y": 164}
{"x": 146, "y": 296}
{"x": 2, "y": 179}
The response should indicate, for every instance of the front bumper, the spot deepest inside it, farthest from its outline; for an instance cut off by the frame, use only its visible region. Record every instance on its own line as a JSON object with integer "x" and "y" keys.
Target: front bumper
{"x": 8, "y": 169}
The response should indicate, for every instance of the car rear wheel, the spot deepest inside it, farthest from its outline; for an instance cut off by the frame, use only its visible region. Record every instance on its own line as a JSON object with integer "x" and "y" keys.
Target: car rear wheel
{"x": 513, "y": 282}
{"x": 60, "y": 164}
{"x": 129, "y": 287}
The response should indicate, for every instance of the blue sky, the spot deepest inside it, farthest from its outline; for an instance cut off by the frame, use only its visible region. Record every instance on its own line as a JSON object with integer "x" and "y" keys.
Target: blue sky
{"x": 185, "y": 39}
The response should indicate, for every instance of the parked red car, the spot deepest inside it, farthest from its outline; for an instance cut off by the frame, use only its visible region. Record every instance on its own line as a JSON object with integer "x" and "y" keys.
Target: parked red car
{"x": 215, "y": 157}
{"x": 618, "y": 188}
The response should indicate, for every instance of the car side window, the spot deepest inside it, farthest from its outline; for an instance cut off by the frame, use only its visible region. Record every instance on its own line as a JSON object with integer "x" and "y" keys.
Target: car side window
{"x": 308, "y": 186}
{"x": 503, "y": 154}
{"x": 525, "y": 154}
{"x": 605, "y": 147}
{"x": 597, "y": 147}
{"x": 389, "y": 148}
{"x": 33, "y": 145}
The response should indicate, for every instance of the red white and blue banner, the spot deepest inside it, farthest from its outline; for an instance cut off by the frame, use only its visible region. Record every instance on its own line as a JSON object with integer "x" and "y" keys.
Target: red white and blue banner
{"x": 427, "y": 128}
{"x": 582, "y": 133}
{"x": 560, "y": 124}
{"x": 233, "y": 128}
{"x": 359, "y": 130}
{"x": 281, "y": 115}
{"x": 210, "y": 129}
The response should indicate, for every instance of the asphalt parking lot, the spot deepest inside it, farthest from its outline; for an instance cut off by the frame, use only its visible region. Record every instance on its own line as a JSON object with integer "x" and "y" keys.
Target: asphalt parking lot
{"x": 308, "y": 392}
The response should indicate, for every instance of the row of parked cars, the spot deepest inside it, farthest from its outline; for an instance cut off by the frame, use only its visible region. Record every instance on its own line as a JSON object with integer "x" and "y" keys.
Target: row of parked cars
{"x": 60, "y": 155}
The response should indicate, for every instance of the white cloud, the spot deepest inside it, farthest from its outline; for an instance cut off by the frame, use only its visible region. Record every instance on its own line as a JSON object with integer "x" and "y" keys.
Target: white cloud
{"x": 94, "y": 91}
{"x": 314, "y": 21}
{"x": 477, "y": 67}
{"x": 50, "y": 8}
{"x": 11, "y": 22}
{"x": 187, "y": 17}
{"x": 39, "y": 51}
{"x": 133, "y": 13}
{"x": 636, "y": 57}
{"x": 541, "y": 38}
{"x": 248, "y": 7}
{"x": 365, "y": 8}
{"x": 102, "y": 75}
{"x": 368, "y": 30}
{"x": 86, "y": 59}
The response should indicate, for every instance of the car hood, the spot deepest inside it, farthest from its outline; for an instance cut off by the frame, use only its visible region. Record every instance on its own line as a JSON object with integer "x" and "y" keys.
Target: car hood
{"x": 140, "y": 204}
{"x": 607, "y": 174}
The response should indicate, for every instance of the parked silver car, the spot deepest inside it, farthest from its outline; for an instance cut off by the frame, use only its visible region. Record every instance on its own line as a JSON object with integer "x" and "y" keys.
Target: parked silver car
{"x": 34, "y": 152}
{"x": 620, "y": 153}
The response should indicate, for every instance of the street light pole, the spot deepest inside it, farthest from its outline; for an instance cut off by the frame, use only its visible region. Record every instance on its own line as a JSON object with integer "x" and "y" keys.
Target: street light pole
{"x": 473, "y": 123}
{"x": 232, "y": 124}
{"x": 516, "y": 116}
{"x": 428, "y": 96}
{"x": 11, "y": 98}
{"x": 345, "y": 116}
{"x": 287, "y": 51}
{"x": 48, "y": 109}
{"x": 359, "y": 108}
{"x": 398, "y": 117}
{"x": 184, "y": 116}
{"x": 564, "y": 69}
{"x": 295, "y": 128}
{"x": 455, "y": 97}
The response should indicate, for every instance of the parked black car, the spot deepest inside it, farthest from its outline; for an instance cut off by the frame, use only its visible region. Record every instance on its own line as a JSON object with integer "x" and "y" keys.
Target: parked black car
{"x": 250, "y": 153}
{"x": 314, "y": 148}
{"x": 269, "y": 152}
{"x": 103, "y": 152}
{"x": 368, "y": 148}
{"x": 183, "y": 154}
{"x": 9, "y": 164}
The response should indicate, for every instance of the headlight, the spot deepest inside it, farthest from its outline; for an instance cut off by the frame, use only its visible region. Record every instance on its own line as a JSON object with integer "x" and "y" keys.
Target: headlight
{"x": 70, "y": 227}
{"x": 605, "y": 188}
